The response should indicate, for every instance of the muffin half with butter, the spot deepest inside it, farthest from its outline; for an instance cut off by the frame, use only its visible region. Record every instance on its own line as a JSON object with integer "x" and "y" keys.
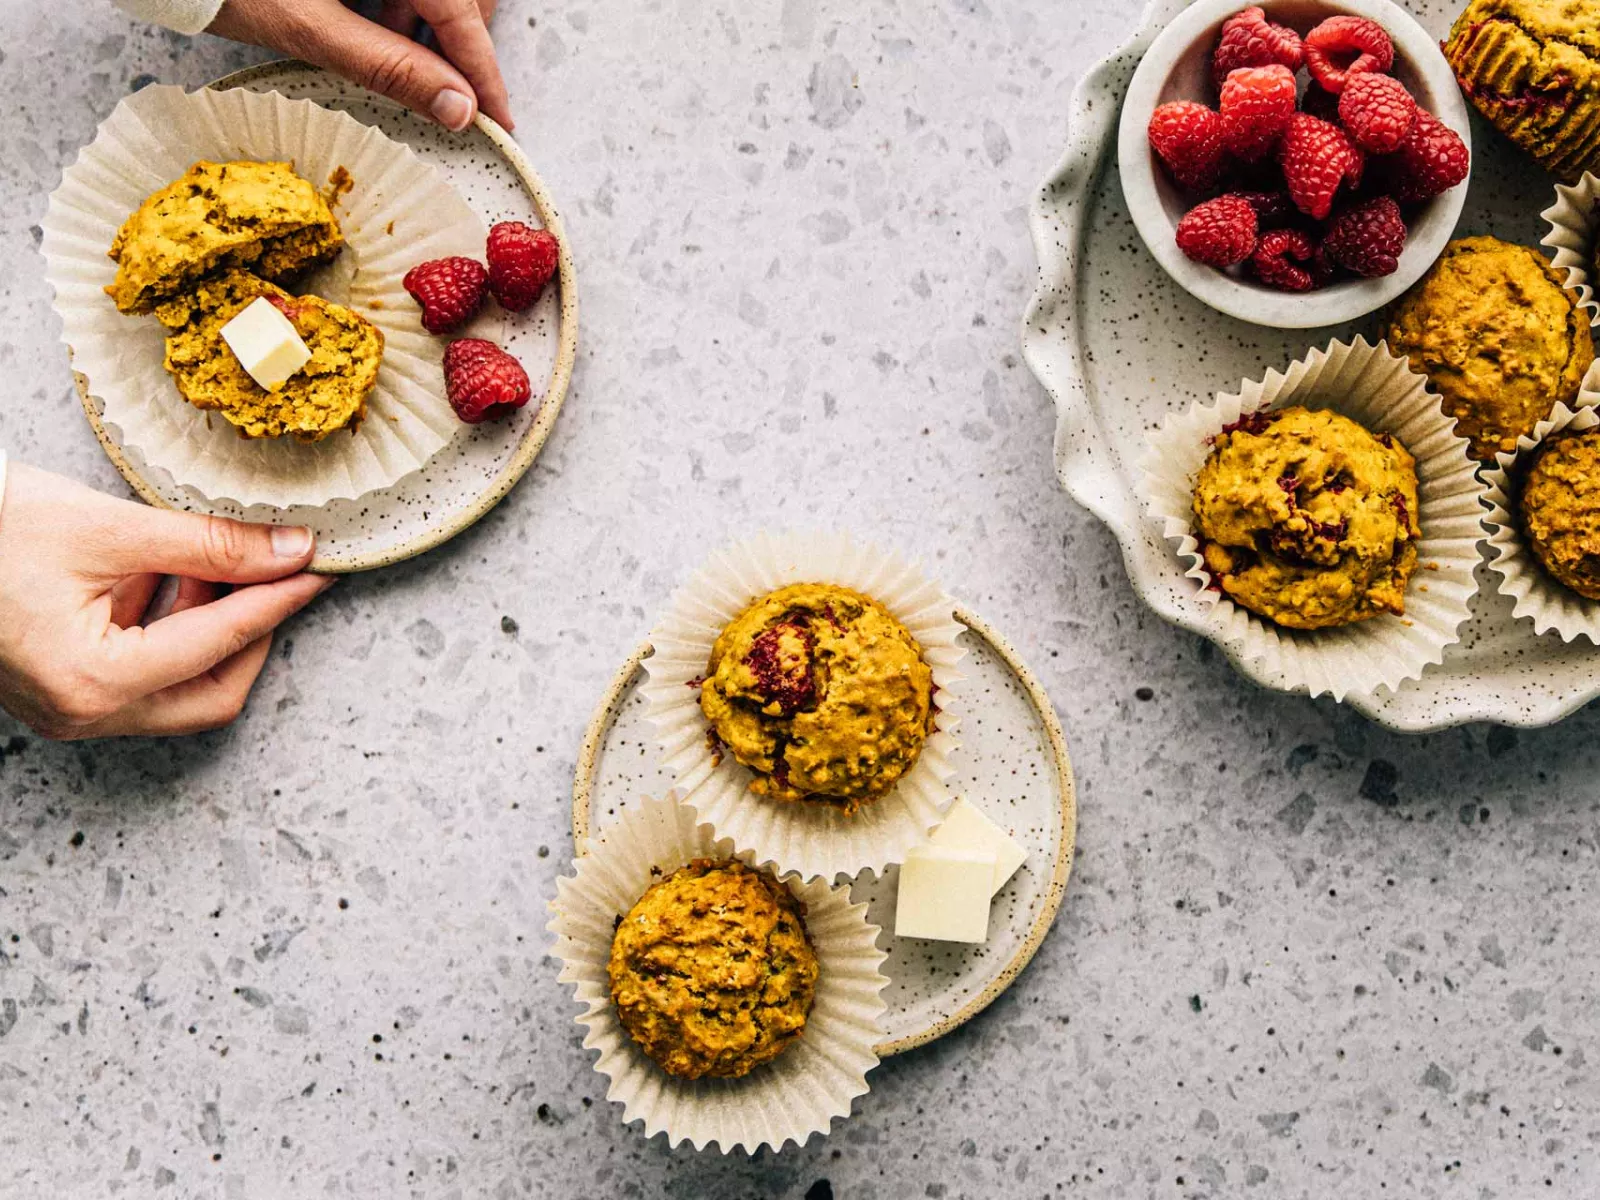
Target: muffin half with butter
{"x": 820, "y": 692}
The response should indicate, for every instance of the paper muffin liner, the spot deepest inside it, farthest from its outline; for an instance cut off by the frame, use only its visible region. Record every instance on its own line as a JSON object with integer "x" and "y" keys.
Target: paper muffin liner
{"x": 1574, "y": 221}
{"x": 1535, "y": 594}
{"x": 810, "y": 839}
{"x": 797, "y": 1094}
{"x": 1374, "y": 388}
{"x": 398, "y": 212}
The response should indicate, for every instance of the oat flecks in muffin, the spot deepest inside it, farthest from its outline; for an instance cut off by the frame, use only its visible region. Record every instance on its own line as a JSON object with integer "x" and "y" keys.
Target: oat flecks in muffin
{"x": 329, "y": 393}
{"x": 820, "y": 692}
{"x": 259, "y": 215}
{"x": 712, "y": 971}
{"x": 1497, "y": 336}
{"x": 1308, "y": 519}
{"x": 1560, "y": 506}
{"x": 1532, "y": 68}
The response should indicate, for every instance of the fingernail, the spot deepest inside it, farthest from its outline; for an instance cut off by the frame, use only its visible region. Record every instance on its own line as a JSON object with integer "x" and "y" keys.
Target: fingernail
{"x": 291, "y": 541}
{"x": 452, "y": 110}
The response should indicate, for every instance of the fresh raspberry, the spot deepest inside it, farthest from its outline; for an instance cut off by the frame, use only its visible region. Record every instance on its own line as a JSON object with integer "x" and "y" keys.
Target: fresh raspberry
{"x": 1257, "y": 103}
{"x": 1220, "y": 232}
{"x": 1272, "y": 260}
{"x": 1377, "y": 112}
{"x": 1273, "y": 209}
{"x": 1323, "y": 269}
{"x": 1368, "y": 238}
{"x": 1431, "y": 161}
{"x": 1188, "y": 138}
{"x": 1317, "y": 157}
{"x": 521, "y": 261}
{"x": 482, "y": 380}
{"x": 1249, "y": 40}
{"x": 1344, "y": 46}
{"x": 450, "y": 291}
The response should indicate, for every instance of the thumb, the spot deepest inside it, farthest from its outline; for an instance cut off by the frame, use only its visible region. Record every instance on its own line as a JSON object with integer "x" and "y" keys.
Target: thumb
{"x": 397, "y": 67}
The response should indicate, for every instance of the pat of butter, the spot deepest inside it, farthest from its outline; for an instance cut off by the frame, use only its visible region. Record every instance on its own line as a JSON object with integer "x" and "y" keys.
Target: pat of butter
{"x": 966, "y": 828}
{"x": 944, "y": 895}
{"x": 266, "y": 343}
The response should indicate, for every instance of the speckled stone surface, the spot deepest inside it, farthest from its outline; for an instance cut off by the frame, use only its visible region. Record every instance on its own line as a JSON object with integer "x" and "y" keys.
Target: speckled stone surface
{"x": 1300, "y": 956}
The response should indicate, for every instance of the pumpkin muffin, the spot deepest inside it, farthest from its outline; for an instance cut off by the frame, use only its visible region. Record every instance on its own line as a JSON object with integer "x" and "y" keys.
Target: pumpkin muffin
{"x": 259, "y": 215}
{"x": 1307, "y": 518}
{"x": 820, "y": 692}
{"x": 1560, "y": 506}
{"x": 1532, "y": 68}
{"x": 1498, "y": 337}
{"x": 327, "y": 394}
{"x": 712, "y": 971}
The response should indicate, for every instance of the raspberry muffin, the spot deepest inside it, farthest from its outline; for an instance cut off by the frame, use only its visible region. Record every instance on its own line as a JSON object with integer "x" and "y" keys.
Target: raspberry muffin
{"x": 327, "y": 394}
{"x": 1307, "y": 518}
{"x": 1560, "y": 509}
{"x": 820, "y": 692}
{"x": 1497, "y": 336}
{"x": 259, "y": 215}
{"x": 712, "y": 971}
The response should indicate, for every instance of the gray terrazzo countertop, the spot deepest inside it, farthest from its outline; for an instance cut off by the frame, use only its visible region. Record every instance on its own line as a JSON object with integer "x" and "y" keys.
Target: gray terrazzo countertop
{"x": 1300, "y": 956}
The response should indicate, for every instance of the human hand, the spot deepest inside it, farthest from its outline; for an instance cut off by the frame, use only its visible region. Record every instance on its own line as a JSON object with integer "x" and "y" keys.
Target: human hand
{"x": 82, "y": 651}
{"x": 449, "y": 86}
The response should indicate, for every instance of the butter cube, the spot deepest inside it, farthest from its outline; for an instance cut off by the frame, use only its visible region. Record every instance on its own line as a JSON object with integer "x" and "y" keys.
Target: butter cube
{"x": 967, "y": 828}
{"x": 944, "y": 895}
{"x": 266, "y": 343}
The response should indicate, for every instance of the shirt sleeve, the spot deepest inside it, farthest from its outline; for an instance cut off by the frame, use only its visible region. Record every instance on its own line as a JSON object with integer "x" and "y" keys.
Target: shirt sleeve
{"x": 181, "y": 16}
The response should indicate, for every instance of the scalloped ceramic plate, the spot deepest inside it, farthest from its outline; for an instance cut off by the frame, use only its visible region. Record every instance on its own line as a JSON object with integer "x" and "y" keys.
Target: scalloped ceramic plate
{"x": 1012, "y": 763}
{"x": 1119, "y": 345}
{"x": 474, "y": 471}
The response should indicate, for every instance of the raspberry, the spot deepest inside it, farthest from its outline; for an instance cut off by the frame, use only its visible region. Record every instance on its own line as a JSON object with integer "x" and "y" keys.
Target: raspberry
{"x": 1220, "y": 232}
{"x": 1188, "y": 138}
{"x": 780, "y": 658}
{"x": 521, "y": 261}
{"x": 1368, "y": 238}
{"x": 1257, "y": 103}
{"x": 1273, "y": 209}
{"x": 1358, "y": 43}
{"x": 1431, "y": 161}
{"x": 1317, "y": 157}
{"x": 450, "y": 291}
{"x": 482, "y": 380}
{"x": 1250, "y": 40}
{"x": 1377, "y": 112}
{"x": 1271, "y": 260}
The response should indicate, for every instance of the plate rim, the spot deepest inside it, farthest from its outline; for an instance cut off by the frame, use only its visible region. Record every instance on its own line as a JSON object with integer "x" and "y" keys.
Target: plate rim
{"x": 605, "y": 714}
{"x": 1086, "y": 468}
{"x": 533, "y": 440}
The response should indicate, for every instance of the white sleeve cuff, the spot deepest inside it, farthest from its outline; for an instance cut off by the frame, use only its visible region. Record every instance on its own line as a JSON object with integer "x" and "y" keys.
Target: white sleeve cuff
{"x": 2, "y": 477}
{"x": 181, "y": 16}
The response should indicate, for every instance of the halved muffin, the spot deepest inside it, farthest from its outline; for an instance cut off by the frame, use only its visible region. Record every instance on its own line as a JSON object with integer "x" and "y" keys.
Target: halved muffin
{"x": 329, "y": 393}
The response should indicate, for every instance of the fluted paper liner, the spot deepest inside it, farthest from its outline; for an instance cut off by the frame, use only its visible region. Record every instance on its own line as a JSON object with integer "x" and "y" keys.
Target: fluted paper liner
{"x": 1535, "y": 594}
{"x": 1374, "y": 388}
{"x": 812, "y": 839}
{"x": 152, "y": 138}
{"x": 1574, "y": 221}
{"x": 797, "y": 1094}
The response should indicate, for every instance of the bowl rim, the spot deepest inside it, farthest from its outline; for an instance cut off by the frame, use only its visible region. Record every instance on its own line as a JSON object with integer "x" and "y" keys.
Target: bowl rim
{"x": 1248, "y": 301}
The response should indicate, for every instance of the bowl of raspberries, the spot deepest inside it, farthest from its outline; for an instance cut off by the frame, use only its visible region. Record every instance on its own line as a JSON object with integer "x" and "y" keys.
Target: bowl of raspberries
{"x": 1296, "y": 163}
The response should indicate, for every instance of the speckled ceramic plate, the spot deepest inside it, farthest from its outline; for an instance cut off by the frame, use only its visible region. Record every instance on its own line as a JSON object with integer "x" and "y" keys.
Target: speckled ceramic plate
{"x": 1119, "y": 346}
{"x": 1013, "y": 763}
{"x": 471, "y": 474}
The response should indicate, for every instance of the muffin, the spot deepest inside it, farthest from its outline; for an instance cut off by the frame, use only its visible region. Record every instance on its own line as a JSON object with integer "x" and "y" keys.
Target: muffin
{"x": 1532, "y": 67}
{"x": 329, "y": 393}
{"x": 821, "y": 693}
{"x": 259, "y": 215}
{"x": 1560, "y": 509}
{"x": 1498, "y": 337}
{"x": 712, "y": 971}
{"x": 1308, "y": 519}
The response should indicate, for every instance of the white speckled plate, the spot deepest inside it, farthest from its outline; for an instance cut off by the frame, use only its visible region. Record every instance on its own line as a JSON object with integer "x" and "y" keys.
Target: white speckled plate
{"x": 1012, "y": 763}
{"x": 1119, "y": 345}
{"x": 474, "y": 471}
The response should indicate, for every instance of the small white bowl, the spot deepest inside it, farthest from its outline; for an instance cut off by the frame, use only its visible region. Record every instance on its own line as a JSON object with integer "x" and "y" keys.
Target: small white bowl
{"x": 1177, "y": 66}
